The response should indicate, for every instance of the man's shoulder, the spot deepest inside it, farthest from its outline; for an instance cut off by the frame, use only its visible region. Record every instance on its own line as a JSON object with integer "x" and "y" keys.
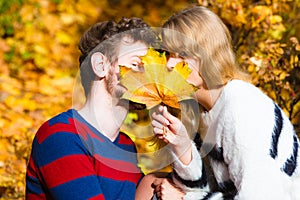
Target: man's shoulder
{"x": 61, "y": 123}
{"x": 62, "y": 118}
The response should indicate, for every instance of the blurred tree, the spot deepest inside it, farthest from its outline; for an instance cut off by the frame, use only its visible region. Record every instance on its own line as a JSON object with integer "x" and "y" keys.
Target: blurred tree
{"x": 266, "y": 39}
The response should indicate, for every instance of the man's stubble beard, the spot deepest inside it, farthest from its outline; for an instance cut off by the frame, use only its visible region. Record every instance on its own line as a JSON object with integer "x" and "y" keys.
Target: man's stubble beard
{"x": 117, "y": 91}
{"x": 114, "y": 89}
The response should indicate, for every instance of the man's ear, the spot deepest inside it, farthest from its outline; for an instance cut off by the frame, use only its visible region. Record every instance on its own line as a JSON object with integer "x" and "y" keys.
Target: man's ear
{"x": 99, "y": 64}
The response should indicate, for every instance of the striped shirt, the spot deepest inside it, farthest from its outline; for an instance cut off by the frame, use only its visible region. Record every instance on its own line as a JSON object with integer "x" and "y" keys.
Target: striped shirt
{"x": 70, "y": 159}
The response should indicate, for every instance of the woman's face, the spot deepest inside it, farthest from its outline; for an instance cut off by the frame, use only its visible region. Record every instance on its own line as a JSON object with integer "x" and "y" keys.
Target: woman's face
{"x": 195, "y": 79}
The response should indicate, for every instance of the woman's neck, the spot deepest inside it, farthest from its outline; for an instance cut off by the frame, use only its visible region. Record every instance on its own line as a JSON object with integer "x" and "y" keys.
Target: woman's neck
{"x": 208, "y": 97}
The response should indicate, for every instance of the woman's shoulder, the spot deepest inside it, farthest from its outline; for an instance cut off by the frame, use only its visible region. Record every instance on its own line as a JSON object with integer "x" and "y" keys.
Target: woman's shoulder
{"x": 246, "y": 96}
{"x": 243, "y": 90}
{"x": 239, "y": 85}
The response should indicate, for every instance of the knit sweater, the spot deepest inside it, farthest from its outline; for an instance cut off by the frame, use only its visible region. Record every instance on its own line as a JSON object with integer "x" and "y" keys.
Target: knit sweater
{"x": 252, "y": 148}
{"x": 70, "y": 159}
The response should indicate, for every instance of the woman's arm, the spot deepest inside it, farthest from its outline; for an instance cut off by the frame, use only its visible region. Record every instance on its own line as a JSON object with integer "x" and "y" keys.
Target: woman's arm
{"x": 188, "y": 169}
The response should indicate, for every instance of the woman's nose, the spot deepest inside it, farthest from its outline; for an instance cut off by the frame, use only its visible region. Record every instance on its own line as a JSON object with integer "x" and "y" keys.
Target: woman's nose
{"x": 171, "y": 62}
{"x": 117, "y": 69}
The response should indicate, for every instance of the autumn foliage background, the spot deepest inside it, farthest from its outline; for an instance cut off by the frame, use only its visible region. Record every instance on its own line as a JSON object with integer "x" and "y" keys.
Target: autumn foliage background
{"x": 39, "y": 60}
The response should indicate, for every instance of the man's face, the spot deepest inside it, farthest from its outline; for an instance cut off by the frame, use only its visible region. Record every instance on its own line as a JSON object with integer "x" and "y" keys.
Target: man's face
{"x": 129, "y": 55}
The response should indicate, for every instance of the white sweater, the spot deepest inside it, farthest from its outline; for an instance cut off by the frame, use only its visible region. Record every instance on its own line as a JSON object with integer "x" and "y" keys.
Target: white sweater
{"x": 252, "y": 147}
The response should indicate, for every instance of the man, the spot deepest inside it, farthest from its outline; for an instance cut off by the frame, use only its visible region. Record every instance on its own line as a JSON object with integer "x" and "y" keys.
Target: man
{"x": 82, "y": 154}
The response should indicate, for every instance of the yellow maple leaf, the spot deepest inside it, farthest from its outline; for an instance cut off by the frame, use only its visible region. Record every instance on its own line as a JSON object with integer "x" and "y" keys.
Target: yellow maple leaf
{"x": 156, "y": 84}
{"x": 154, "y": 57}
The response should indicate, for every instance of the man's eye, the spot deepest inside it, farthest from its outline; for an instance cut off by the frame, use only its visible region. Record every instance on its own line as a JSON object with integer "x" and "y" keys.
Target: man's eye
{"x": 136, "y": 66}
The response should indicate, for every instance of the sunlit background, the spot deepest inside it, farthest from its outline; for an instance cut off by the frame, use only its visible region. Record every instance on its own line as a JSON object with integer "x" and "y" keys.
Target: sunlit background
{"x": 39, "y": 62}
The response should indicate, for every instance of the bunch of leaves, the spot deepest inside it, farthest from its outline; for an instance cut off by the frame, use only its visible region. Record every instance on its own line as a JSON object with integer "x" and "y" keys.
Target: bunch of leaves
{"x": 38, "y": 59}
{"x": 154, "y": 84}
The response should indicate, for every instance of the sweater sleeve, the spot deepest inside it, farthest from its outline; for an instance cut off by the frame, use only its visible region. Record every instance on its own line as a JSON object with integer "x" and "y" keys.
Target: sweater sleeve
{"x": 61, "y": 167}
{"x": 191, "y": 178}
{"x": 246, "y": 148}
{"x": 192, "y": 171}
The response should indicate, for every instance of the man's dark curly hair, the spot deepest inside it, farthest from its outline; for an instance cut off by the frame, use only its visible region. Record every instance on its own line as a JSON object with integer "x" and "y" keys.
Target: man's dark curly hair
{"x": 105, "y": 37}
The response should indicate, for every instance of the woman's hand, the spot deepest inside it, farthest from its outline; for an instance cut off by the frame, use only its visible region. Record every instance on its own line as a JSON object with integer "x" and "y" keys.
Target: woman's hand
{"x": 165, "y": 189}
{"x": 171, "y": 130}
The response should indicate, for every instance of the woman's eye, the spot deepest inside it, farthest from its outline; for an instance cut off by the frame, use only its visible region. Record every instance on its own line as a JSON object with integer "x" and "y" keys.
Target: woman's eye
{"x": 182, "y": 54}
{"x": 167, "y": 53}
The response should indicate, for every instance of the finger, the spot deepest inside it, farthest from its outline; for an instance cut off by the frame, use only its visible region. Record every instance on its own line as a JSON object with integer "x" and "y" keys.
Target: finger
{"x": 167, "y": 134}
{"x": 160, "y": 118}
{"x": 162, "y": 133}
{"x": 163, "y": 188}
{"x": 158, "y": 131}
{"x": 165, "y": 183}
{"x": 157, "y": 190}
{"x": 158, "y": 195}
{"x": 168, "y": 116}
{"x": 157, "y": 124}
{"x": 166, "y": 141}
{"x": 160, "y": 108}
{"x": 156, "y": 182}
{"x": 163, "y": 138}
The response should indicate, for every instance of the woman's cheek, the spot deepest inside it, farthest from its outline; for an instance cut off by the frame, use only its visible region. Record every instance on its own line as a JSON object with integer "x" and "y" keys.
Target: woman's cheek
{"x": 195, "y": 79}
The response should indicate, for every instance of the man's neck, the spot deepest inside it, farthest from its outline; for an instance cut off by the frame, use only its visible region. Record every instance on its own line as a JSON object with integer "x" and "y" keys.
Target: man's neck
{"x": 102, "y": 112}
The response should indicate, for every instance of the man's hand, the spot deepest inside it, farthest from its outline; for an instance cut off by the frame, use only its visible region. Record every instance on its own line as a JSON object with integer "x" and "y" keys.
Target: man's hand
{"x": 165, "y": 189}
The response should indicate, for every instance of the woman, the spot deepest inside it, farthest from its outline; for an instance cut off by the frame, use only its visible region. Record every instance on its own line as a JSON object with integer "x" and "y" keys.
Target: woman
{"x": 251, "y": 144}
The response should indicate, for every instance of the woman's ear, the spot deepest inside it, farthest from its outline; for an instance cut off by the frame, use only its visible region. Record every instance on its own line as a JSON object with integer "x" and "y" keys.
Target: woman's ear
{"x": 99, "y": 64}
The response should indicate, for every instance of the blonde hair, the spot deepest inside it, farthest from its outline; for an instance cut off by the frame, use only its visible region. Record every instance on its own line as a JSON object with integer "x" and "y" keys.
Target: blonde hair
{"x": 201, "y": 34}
